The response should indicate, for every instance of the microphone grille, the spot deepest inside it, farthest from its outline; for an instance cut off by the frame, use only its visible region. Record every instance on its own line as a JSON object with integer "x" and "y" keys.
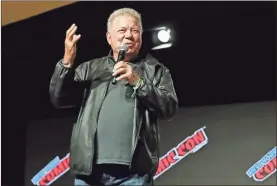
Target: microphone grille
{"x": 123, "y": 47}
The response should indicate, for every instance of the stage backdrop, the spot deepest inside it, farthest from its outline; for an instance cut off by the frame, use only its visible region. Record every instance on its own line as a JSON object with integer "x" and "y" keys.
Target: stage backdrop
{"x": 210, "y": 145}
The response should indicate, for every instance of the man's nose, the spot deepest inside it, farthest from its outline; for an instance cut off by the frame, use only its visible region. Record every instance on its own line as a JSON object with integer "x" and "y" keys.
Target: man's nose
{"x": 128, "y": 34}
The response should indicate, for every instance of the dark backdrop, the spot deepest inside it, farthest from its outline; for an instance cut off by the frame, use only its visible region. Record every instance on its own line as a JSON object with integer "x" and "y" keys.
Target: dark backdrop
{"x": 225, "y": 52}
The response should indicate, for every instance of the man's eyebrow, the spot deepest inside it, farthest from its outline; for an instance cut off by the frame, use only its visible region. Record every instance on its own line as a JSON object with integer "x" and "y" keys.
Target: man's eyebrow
{"x": 121, "y": 27}
{"x": 133, "y": 27}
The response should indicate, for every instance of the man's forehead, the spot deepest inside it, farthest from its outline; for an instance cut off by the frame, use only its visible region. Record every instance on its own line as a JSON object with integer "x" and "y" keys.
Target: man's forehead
{"x": 125, "y": 19}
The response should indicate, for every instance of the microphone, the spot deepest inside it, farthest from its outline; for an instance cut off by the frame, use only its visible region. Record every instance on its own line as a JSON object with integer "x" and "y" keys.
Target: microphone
{"x": 121, "y": 55}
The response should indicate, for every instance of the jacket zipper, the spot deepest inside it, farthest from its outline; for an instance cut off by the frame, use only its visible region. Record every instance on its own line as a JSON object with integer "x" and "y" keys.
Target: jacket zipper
{"x": 135, "y": 124}
{"x": 98, "y": 112}
{"x": 136, "y": 136}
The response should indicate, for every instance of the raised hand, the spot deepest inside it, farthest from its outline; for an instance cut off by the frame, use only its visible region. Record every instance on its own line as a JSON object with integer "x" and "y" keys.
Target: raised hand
{"x": 70, "y": 46}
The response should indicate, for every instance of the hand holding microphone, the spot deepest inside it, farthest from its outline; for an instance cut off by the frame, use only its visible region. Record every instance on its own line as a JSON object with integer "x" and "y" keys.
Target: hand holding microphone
{"x": 122, "y": 70}
{"x": 121, "y": 55}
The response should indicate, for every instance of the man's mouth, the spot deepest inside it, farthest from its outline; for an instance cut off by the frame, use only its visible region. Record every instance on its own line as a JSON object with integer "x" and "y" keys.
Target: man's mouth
{"x": 129, "y": 44}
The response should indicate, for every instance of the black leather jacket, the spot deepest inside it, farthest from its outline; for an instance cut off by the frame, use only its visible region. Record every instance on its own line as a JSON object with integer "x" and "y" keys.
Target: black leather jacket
{"x": 86, "y": 86}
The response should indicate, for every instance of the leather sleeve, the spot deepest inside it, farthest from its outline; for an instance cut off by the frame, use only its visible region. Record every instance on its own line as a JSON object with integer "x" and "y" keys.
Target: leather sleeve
{"x": 66, "y": 86}
{"x": 160, "y": 98}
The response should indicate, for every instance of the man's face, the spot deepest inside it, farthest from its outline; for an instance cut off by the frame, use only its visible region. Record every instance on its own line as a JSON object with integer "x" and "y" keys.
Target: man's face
{"x": 125, "y": 30}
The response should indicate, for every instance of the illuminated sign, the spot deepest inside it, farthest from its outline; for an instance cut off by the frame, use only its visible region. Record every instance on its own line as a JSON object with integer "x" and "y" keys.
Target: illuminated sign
{"x": 188, "y": 146}
{"x": 52, "y": 171}
{"x": 56, "y": 168}
{"x": 263, "y": 168}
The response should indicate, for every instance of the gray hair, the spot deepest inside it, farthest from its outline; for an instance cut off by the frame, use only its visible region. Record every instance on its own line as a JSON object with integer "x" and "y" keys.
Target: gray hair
{"x": 124, "y": 11}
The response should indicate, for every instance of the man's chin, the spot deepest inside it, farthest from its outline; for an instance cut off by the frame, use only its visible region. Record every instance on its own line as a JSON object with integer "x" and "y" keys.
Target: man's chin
{"x": 131, "y": 53}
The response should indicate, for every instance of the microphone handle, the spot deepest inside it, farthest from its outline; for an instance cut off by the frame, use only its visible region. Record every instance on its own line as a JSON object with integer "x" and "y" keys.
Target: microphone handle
{"x": 114, "y": 81}
{"x": 120, "y": 58}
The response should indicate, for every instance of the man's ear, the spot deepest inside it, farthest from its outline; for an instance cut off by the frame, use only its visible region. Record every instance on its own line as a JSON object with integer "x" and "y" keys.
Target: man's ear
{"x": 108, "y": 36}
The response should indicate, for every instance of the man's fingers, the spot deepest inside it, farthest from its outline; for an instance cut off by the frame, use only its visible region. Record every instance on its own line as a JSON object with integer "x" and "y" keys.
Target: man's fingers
{"x": 71, "y": 33}
{"x": 70, "y": 29}
{"x": 71, "y": 43}
{"x": 119, "y": 65}
{"x": 119, "y": 71}
{"x": 76, "y": 38}
{"x": 123, "y": 76}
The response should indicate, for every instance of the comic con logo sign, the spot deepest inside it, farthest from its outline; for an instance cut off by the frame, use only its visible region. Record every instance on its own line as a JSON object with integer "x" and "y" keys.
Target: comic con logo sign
{"x": 188, "y": 146}
{"x": 263, "y": 168}
{"x": 56, "y": 168}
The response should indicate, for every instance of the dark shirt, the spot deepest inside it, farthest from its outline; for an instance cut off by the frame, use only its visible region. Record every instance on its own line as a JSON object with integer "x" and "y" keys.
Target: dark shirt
{"x": 115, "y": 126}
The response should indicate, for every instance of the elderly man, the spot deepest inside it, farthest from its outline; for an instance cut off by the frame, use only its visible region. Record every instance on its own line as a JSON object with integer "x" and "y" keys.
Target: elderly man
{"x": 115, "y": 139}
